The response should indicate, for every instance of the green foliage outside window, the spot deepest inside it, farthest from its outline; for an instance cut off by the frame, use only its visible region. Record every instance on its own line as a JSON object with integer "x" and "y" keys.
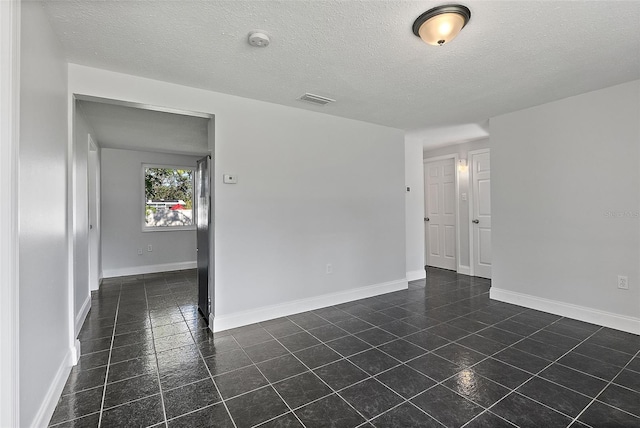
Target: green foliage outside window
{"x": 168, "y": 184}
{"x": 168, "y": 196}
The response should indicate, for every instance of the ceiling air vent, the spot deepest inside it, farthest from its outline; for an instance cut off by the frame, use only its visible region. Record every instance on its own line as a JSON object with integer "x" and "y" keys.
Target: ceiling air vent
{"x": 316, "y": 99}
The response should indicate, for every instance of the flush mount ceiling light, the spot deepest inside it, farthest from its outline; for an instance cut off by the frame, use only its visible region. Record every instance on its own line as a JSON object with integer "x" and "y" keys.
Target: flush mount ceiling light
{"x": 441, "y": 24}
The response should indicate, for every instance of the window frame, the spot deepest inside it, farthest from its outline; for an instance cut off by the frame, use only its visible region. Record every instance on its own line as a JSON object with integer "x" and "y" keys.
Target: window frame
{"x": 143, "y": 216}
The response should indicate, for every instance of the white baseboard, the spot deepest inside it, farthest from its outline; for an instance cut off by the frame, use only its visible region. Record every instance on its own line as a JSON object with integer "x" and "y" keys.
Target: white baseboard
{"x": 76, "y": 351}
{"x": 581, "y": 313}
{"x": 416, "y": 274}
{"x": 139, "y": 270}
{"x": 238, "y": 319}
{"x": 50, "y": 401}
{"x": 82, "y": 315}
{"x": 464, "y": 270}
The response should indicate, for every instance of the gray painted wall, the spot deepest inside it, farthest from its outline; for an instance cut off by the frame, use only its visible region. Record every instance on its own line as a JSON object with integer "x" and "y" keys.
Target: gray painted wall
{"x": 312, "y": 189}
{"x": 43, "y": 271}
{"x": 565, "y": 198}
{"x": 414, "y": 208}
{"x": 121, "y": 209}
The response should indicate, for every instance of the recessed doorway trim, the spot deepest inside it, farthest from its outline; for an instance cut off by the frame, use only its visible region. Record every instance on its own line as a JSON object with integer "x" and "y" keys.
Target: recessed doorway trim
{"x": 71, "y": 190}
{"x": 141, "y": 106}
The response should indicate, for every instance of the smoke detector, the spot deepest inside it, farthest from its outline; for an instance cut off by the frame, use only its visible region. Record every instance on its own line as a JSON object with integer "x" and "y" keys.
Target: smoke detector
{"x": 258, "y": 39}
{"x": 316, "y": 99}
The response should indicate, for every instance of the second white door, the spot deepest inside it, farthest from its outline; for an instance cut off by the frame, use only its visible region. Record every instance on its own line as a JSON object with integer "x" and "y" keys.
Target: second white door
{"x": 440, "y": 214}
{"x": 481, "y": 213}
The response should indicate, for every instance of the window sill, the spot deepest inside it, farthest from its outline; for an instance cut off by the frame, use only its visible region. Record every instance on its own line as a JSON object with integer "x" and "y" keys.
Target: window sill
{"x": 168, "y": 229}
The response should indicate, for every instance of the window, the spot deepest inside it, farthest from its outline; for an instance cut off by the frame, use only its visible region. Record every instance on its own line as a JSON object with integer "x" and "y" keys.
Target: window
{"x": 168, "y": 197}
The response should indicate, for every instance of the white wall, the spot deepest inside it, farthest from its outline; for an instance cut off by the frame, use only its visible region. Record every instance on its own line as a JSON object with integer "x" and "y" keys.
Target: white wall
{"x": 122, "y": 193}
{"x": 414, "y": 211}
{"x": 462, "y": 151}
{"x": 82, "y": 296}
{"x": 312, "y": 189}
{"x": 44, "y": 298}
{"x": 565, "y": 198}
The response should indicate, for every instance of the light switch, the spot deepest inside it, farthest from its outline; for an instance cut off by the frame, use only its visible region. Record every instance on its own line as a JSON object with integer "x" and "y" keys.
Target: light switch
{"x": 464, "y": 196}
{"x": 230, "y": 179}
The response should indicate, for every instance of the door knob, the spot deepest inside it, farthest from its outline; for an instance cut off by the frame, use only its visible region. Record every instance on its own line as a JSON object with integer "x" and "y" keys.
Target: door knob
{"x": 475, "y": 221}
{"x": 426, "y": 219}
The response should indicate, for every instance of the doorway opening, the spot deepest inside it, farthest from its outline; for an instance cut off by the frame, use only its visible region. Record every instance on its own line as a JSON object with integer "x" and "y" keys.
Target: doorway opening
{"x": 457, "y": 212}
{"x": 110, "y": 141}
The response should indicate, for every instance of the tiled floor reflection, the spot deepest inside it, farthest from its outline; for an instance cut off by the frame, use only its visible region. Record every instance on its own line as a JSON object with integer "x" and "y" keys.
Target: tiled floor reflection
{"x": 438, "y": 354}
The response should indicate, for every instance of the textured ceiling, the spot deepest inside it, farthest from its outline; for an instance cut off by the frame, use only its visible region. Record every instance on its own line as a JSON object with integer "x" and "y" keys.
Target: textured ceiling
{"x": 122, "y": 127}
{"x": 511, "y": 55}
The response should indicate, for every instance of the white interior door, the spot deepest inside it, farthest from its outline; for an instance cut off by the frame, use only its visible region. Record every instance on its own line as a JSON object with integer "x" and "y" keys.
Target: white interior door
{"x": 440, "y": 214}
{"x": 481, "y": 214}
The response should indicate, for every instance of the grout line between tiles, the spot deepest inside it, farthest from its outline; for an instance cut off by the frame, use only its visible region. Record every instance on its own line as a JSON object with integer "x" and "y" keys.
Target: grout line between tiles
{"x": 106, "y": 375}
{"x": 445, "y": 301}
{"x": 271, "y": 384}
{"x": 214, "y": 382}
{"x": 400, "y": 363}
{"x": 133, "y": 401}
{"x": 512, "y": 390}
{"x": 605, "y": 387}
{"x": 155, "y": 354}
{"x": 450, "y": 341}
{"x": 59, "y": 424}
{"x": 488, "y": 357}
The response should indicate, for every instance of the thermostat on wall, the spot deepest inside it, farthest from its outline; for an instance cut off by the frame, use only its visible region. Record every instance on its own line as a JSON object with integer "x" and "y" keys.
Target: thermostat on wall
{"x": 230, "y": 179}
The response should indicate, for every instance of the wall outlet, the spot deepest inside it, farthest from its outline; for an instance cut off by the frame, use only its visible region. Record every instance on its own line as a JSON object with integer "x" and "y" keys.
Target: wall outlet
{"x": 149, "y": 248}
{"x": 329, "y": 269}
{"x": 139, "y": 251}
{"x": 623, "y": 282}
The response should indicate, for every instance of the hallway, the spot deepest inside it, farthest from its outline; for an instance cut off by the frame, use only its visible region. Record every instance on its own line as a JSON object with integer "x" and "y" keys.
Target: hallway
{"x": 438, "y": 354}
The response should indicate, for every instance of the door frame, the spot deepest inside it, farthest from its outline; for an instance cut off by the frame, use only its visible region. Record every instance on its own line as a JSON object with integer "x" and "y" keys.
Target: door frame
{"x": 471, "y": 201}
{"x": 459, "y": 268}
{"x": 211, "y": 136}
{"x": 74, "y": 345}
{"x": 93, "y": 170}
{"x": 9, "y": 190}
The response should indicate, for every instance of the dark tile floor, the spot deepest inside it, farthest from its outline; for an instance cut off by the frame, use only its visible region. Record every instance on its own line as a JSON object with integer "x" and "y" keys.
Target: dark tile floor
{"x": 438, "y": 354}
